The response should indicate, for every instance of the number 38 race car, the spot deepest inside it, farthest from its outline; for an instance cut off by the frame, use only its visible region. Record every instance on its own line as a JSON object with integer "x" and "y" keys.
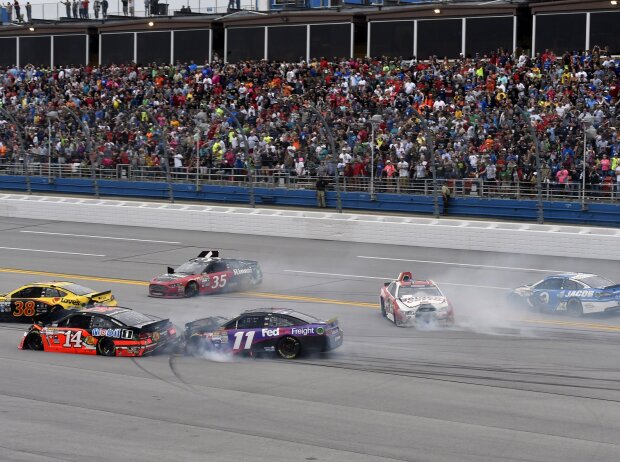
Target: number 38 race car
{"x": 572, "y": 293}
{"x": 206, "y": 274}
{"x": 408, "y": 301}
{"x": 285, "y": 332}
{"x": 35, "y": 300}
{"x": 105, "y": 331}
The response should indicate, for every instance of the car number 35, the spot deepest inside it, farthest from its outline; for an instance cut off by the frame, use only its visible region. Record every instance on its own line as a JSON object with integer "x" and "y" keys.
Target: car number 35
{"x": 218, "y": 281}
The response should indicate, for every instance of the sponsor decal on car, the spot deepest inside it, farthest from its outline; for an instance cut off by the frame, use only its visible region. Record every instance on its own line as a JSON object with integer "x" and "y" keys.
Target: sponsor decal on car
{"x": 271, "y": 332}
{"x": 302, "y": 330}
{"x": 101, "y": 332}
{"x": 580, "y": 293}
{"x": 237, "y": 272}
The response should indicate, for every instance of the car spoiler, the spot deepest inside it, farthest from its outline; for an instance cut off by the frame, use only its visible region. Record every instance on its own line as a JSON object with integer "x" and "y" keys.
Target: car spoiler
{"x": 615, "y": 287}
{"x": 170, "y": 270}
{"x": 332, "y": 321}
{"x": 100, "y": 295}
{"x": 204, "y": 325}
{"x": 209, "y": 253}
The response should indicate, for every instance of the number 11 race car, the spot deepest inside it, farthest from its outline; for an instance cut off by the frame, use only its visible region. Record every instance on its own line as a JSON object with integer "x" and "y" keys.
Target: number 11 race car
{"x": 408, "y": 301}
{"x": 105, "y": 331}
{"x": 285, "y": 332}
{"x": 206, "y": 274}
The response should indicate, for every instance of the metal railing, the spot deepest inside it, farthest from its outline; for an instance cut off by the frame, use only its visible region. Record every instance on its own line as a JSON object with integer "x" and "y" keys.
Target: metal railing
{"x": 57, "y": 10}
{"x": 465, "y": 187}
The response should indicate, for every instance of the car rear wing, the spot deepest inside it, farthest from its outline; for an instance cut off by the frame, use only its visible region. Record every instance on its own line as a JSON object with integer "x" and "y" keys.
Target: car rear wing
{"x": 209, "y": 254}
{"x": 614, "y": 288}
{"x": 332, "y": 322}
{"x": 204, "y": 325}
{"x": 101, "y": 296}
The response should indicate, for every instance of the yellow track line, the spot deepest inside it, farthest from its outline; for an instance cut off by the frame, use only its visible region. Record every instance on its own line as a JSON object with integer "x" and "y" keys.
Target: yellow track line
{"x": 594, "y": 326}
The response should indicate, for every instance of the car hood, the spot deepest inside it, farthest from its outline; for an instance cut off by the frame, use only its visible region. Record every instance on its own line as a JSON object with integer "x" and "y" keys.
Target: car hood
{"x": 415, "y": 302}
{"x": 169, "y": 277}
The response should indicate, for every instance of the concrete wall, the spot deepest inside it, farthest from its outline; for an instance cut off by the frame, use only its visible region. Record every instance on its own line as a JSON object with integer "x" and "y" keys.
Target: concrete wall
{"x": 582, "y": 242}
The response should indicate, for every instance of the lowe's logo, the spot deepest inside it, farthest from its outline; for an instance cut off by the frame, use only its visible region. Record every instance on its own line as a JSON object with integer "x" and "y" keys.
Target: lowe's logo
{"x": 580, "y": 293}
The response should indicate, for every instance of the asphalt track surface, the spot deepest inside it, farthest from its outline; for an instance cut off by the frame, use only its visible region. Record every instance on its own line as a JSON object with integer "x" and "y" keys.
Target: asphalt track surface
{"x": 504, "y": 384}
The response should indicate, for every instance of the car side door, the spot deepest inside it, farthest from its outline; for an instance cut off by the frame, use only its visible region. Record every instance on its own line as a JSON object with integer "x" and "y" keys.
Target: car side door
{"x": 25, "y": 303}
{"x": 219, "y": 276}
{"x": 73, "y": 332}
{"x": 248, "y": 330}
{"x": 545, "y": 294}
{"x": 391, "y": 298}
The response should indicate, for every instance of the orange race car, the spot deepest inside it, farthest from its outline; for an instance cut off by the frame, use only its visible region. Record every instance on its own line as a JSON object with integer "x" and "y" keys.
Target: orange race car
{"x": 105, "y": 331}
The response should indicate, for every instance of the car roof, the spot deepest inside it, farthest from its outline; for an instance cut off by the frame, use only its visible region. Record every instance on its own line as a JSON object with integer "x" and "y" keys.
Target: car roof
{"x": 50, "y": 284}
{"x": 270, "y": 311}
{"x": 572, "y": 275}
{"x": 106, "y": 310}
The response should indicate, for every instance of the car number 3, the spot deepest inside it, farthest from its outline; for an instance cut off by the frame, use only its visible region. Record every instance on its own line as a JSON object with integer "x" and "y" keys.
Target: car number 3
{"x": 218, "y": 281}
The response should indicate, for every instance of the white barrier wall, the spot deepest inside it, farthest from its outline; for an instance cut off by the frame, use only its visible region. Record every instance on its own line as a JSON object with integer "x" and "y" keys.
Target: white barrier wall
{"x": 574, "y": 241}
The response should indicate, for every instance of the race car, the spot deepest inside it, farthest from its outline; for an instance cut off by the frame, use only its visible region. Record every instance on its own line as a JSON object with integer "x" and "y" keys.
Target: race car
{"x": 572, "y": 293}
{"x": 406, "y": 301}
{"x": 104, "y": 331}
{"x": 34, "y": 300}
{"x": 284, "y": 332}
{"x": 206, "y": 274}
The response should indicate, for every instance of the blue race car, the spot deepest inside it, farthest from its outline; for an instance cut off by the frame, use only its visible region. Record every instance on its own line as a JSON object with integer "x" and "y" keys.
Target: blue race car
{"x": 572, "y": 293}
{"x": 285, "y": 332}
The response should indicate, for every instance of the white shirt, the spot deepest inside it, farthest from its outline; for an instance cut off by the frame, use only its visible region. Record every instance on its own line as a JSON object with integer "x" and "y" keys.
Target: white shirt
{"x": 403, "y": 168}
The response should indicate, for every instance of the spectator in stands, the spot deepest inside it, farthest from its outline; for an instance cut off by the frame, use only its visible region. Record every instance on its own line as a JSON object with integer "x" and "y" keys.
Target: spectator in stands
{"x": 96, "y": 8}
{"x": 9, "y": 11}
{"x": 125, "y": 4}
{"x": 29, "y": 11}
{"x": 147, "y": 7}
{"x": 104, "y": 9}
{"x": 18, "y": 12}
{"x": 321, "y": 187}
{"x": 75, "y": 7}
{"x": 67, "y": 4}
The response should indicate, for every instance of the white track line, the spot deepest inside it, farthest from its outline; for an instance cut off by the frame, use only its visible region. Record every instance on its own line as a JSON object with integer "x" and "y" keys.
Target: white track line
{"x": 53, "y": 251}
{"x": 470, "y": 265}
{"x": 100, "y": 237}
{"x": 390, "y": 279}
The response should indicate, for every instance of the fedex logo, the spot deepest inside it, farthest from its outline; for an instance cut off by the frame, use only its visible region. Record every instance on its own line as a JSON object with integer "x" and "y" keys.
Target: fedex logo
{"x": 271, "y": 332}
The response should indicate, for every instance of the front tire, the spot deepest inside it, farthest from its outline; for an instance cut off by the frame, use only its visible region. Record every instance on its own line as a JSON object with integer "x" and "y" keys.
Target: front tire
{"x": 106, "y": 347}
{"x": 191, "y": 290}
{"x": 383, "y": 313}
{"x": 288, "y": 347}
{"x": 34, "y": 342}
{"x": 574, "y": 308}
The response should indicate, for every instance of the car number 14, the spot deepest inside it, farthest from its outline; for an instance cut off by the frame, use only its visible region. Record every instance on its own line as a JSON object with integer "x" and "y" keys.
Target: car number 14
{"x": 73, "y": 339}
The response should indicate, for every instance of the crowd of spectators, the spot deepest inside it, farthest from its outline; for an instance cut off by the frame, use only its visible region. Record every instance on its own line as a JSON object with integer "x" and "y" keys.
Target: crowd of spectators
{"x": 475, "y": 129}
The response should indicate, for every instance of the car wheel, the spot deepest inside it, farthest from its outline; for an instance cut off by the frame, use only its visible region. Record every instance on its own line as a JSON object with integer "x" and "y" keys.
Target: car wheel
{"x": 56, "y": 309}
{"x": 574, "y": 308}
{"x": 257, "y": 277}
{"x": 397, "y": 323}
{"x": 383, "y": 313}
{"x": 34, "y": 342}
{"x": 191, "y": 289}
{"x": 288, "y": 347}
{"x": 106, "y": 347}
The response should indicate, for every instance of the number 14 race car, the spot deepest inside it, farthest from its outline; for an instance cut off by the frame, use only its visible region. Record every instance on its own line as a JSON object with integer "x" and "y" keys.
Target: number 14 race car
{"x": 206, "y": 274}
{"x": 408, "y": 301}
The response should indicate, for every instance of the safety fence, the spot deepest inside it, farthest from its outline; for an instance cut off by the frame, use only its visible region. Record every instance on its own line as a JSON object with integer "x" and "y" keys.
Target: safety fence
{"x": 606, "y": 191}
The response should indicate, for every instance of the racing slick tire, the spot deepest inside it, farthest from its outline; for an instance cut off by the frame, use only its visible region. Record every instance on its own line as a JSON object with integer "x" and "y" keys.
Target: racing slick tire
{"x": 106, "y": 347}
{"x": 288, "y": 347}
{"x": 383, "y": 313}
{"x": 397, "y": 323}
{"x": 191, "y": 290}
{"x": 574, "y": 308}
{"x": 34, "y": 342}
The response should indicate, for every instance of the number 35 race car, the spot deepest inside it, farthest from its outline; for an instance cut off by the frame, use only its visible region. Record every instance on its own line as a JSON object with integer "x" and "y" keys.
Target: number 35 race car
{"x": 407, "y": 301}
{"x": 104, "y": 331}
{"x": 572, "y": 293}
{"x": 285, "y": 332}
{"x": 206, "y": 274}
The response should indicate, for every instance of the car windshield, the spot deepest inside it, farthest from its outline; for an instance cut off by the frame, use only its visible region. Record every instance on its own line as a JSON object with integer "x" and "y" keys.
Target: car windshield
{"x": 78, "y": 289}
{"x": 132, "y": 318}
{"x": 418, "y": 291}
{"x": 596, "y": 282}
{"x": 191, "y": 267}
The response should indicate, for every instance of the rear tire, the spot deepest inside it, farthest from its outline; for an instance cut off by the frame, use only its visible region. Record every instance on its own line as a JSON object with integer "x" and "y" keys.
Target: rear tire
{"x": 191, "y": 290}
{"x": 574, "y": 308}
{"x": 106, "y": 347}
{"x": 195, "y": 346}
{"x": 34, "y": 342}
{"x": 288, "y": 347}
{"x": 383, "y": 313}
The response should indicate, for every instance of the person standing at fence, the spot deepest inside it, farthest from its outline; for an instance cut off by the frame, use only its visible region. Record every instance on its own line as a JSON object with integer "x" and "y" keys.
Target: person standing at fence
{"x": 9, "y": 11}
{"x": 67, "y": 7}
{"x": 445, "y": 194}
{"x": 96, "y": 8}
{"x": 125, "y": 11}
{"x": 29, "y": 11}
{"x": 321, "y": 186}
{"x": 147, "y": 7}
{"x": 18, "y": 11}
{"x": 618, "y": 181}
{"x": 104, "y": 9}
{"x": 75, "y": 7}
{"x": 85, "y": 4}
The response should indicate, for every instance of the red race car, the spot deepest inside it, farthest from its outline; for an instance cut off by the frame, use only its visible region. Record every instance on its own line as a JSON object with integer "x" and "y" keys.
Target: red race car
{"x": 206, "y": 274}
{"x": 406, "y": 301}
{"x": 105, "y": 331}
